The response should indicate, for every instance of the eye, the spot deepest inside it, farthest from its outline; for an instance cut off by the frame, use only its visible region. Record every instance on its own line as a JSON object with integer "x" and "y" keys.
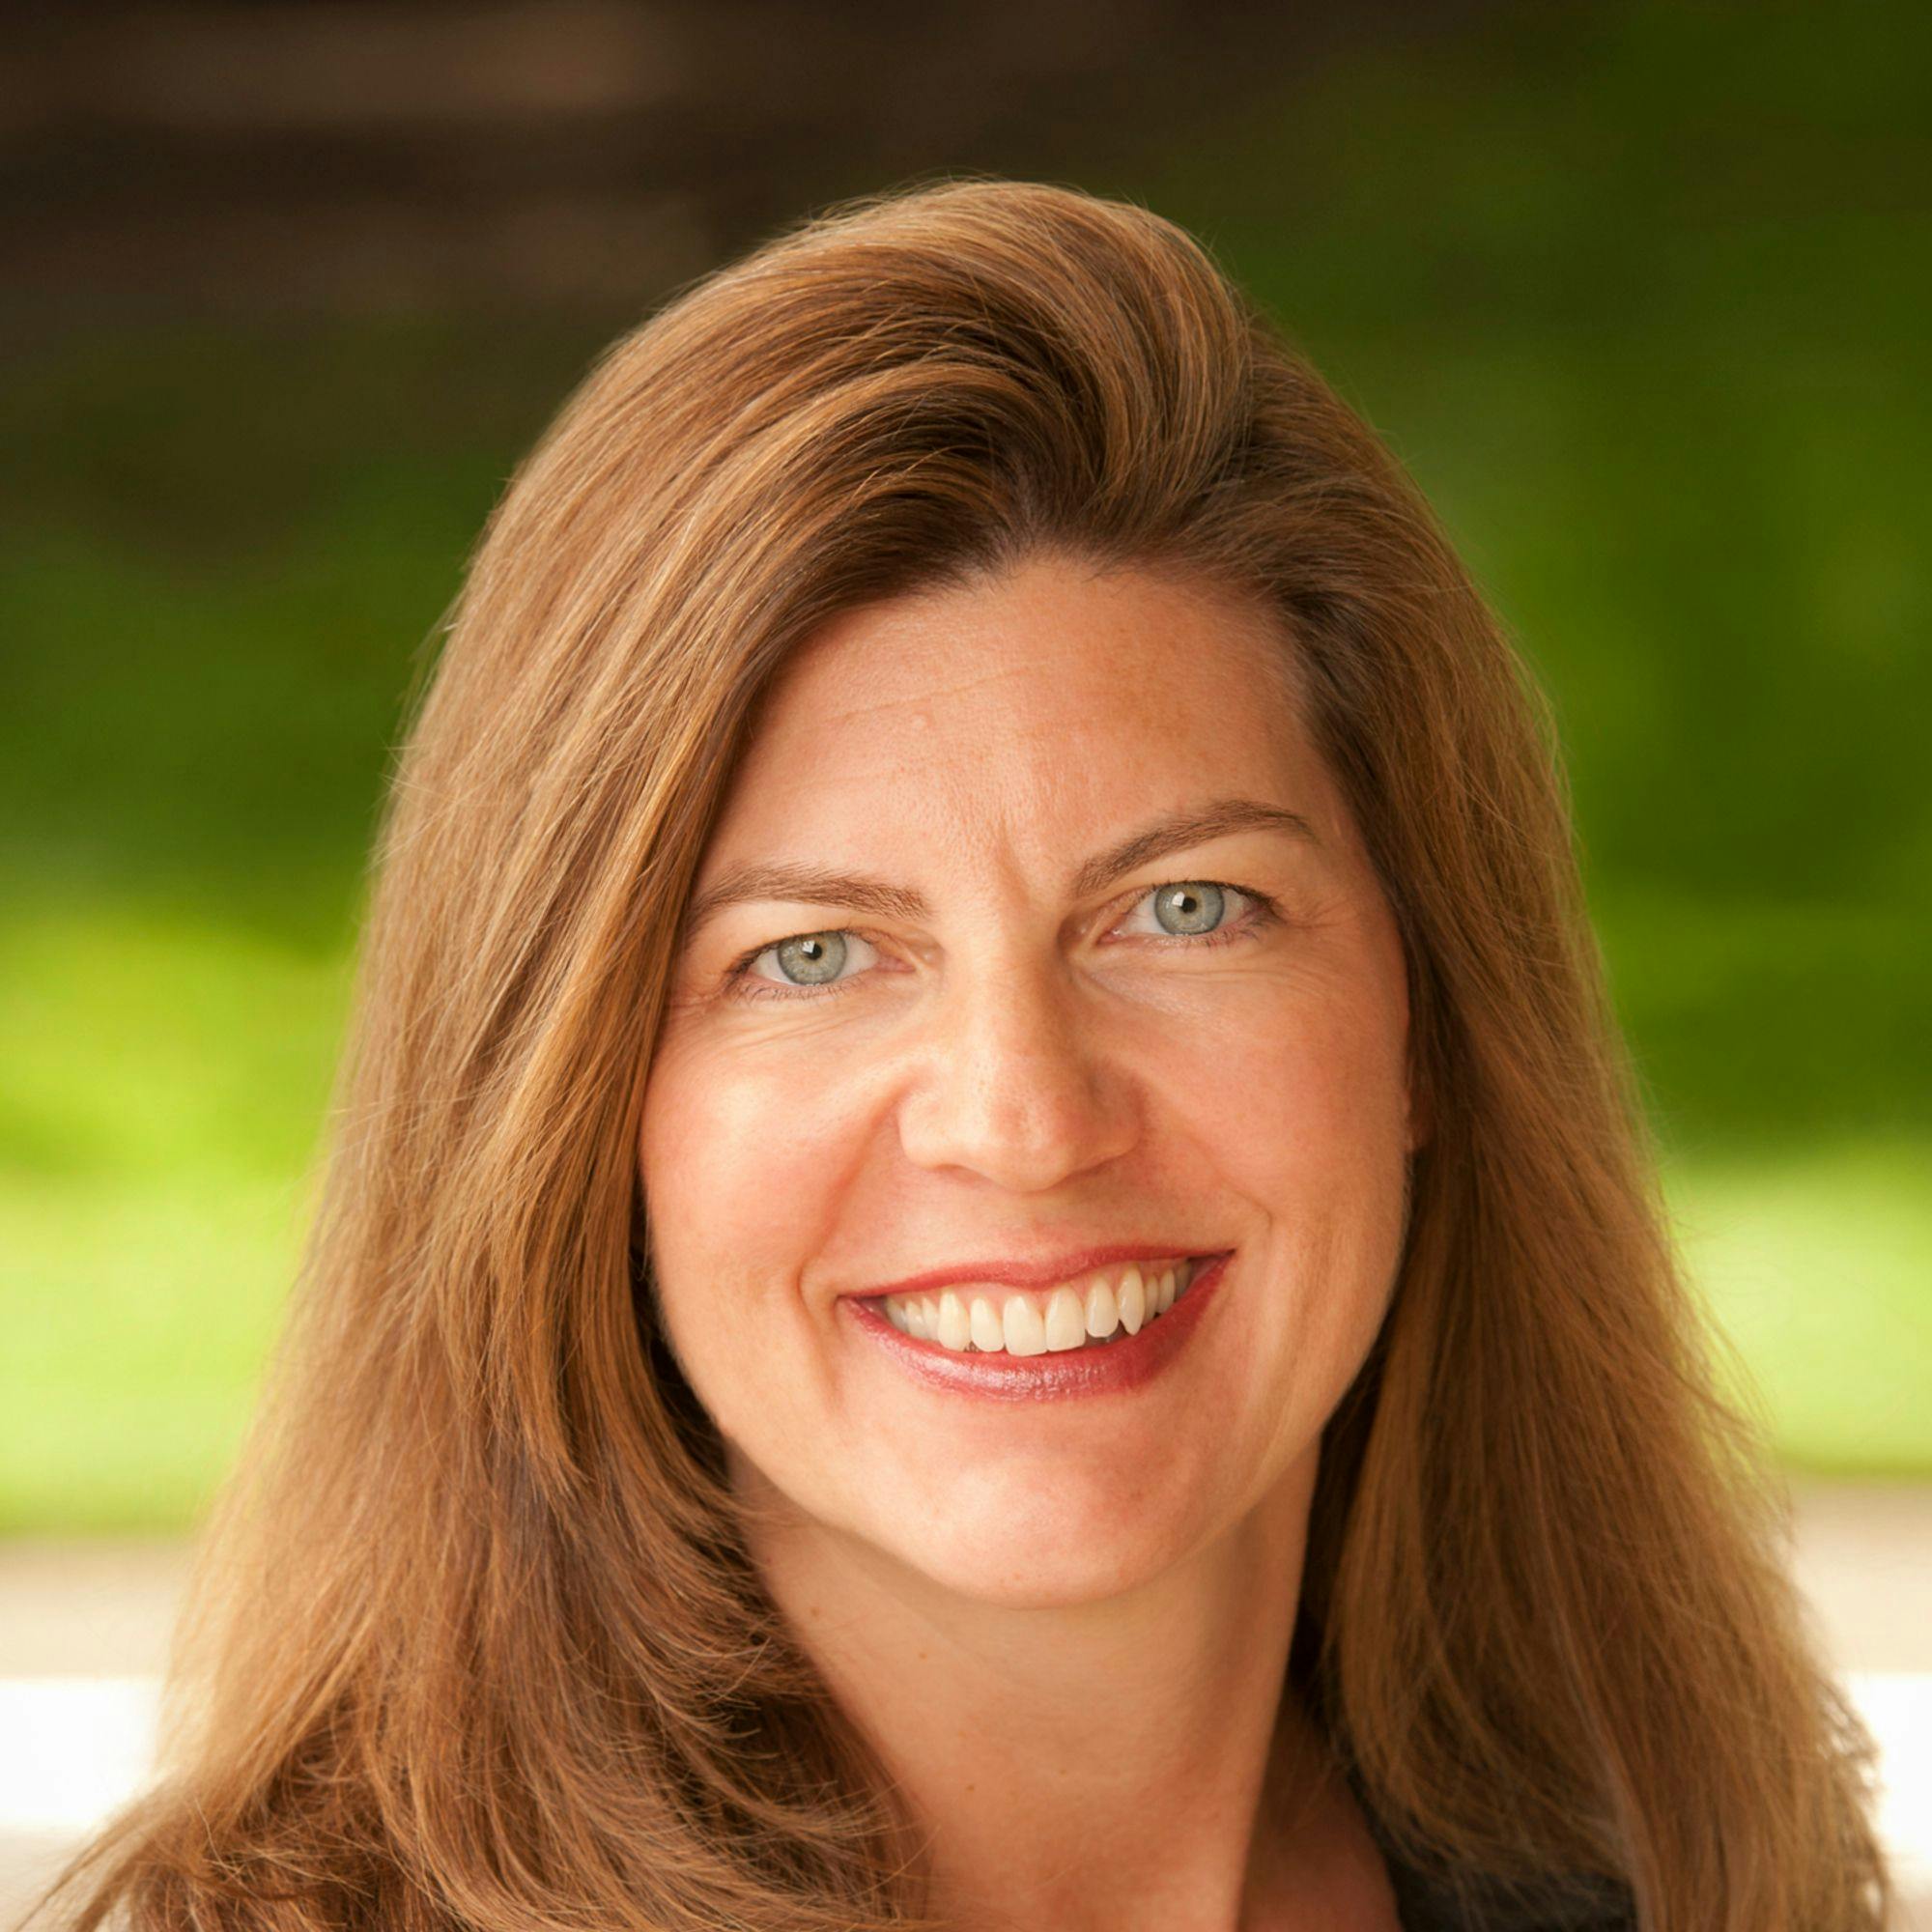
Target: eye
{"x": 806, "y": 963}
{"x": 1191, "y": 907}
{"x": 1203, "y": 909}
{"x": 1187, "y": 913}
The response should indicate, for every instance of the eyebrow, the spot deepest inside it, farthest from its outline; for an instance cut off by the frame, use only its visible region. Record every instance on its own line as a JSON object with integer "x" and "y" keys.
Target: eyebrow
{"x": 816, "y": 885}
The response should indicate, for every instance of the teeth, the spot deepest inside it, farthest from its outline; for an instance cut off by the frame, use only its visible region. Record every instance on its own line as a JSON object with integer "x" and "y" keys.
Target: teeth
{"x": 989, "y": 1334}
{"x": 1025, "y": 1331}
{"x": 1066, "y": 1320}
{"x": 956, "y": 1330}
{"x": 1103, "y": 1313}
{"x": 1103, "y": 1307}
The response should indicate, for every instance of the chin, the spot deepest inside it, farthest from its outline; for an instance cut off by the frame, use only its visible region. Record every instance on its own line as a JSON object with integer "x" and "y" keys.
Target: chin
{"x": 1000, "y": 1566}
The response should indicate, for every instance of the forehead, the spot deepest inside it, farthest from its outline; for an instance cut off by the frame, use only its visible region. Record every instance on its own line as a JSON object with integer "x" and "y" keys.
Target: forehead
{"x": 1023, "y": 675}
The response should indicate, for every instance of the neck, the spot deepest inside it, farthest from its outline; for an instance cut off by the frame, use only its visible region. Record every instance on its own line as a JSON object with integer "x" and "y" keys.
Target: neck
{"x": 1125, "y": 1762}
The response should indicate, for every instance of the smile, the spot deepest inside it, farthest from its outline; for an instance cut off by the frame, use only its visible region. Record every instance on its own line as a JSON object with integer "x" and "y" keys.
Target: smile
{"x": 1109, "y": 1331}
{"x": 1089, "y": 1312}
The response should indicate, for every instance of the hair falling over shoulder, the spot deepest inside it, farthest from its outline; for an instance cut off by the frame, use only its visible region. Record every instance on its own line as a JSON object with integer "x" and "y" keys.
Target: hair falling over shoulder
{"x": 474, "y": 1641}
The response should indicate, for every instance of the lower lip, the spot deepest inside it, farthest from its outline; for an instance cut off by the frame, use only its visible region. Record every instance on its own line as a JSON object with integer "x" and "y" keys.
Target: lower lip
{"x": 1107, "y": 1369}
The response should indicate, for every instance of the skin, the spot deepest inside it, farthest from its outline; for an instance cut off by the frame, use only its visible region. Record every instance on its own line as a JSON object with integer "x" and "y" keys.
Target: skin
{"x": 1064, "y": 1625}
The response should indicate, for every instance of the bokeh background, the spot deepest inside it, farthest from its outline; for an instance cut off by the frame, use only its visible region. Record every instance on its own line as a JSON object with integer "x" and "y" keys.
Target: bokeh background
{"x": 1638, "y": 290}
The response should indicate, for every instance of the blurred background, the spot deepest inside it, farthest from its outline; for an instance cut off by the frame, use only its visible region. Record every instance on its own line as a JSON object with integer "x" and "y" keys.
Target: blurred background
{"x": 1638, "y": 291}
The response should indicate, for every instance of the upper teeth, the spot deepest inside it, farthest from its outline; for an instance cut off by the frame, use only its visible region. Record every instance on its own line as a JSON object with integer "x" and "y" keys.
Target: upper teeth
{"x": 1023, "y": 1323}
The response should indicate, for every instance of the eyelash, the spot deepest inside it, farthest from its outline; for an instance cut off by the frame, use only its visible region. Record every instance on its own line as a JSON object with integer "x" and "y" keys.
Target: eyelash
{"x": 1263, "y": 912}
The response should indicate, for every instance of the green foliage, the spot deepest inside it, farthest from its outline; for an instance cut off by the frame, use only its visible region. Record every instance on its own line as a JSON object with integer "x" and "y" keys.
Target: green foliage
{"x": 1638, "y": 293}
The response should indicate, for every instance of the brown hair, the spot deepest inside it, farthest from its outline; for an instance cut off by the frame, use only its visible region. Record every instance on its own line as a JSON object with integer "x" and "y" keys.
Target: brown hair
{"x": 474, "y": 1638}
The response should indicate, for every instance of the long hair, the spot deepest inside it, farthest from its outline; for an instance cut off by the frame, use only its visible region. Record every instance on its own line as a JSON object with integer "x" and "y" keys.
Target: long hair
{"x": 474, "y": 1641}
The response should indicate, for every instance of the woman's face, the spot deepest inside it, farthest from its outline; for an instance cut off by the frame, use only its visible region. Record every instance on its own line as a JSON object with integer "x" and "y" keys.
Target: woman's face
{"x": 1003, "y": 1054}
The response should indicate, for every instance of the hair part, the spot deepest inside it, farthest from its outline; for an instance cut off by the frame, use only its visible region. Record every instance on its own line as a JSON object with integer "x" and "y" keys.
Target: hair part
{"x": 475, "y": 1641}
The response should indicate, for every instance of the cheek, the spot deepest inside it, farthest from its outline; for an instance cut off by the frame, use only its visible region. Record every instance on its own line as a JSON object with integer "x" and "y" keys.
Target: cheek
{"x": 739, "y": 1169}
{"x": 1308, "y": 1103}
{"x": 1310, "y": 1128}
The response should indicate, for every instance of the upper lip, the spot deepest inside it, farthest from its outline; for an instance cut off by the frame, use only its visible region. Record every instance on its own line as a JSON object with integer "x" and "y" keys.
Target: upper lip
{"x": 1048, "y": 1273}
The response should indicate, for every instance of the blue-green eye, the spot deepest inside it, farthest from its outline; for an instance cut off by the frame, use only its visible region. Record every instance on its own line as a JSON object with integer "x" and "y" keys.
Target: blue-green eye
{"x": 1205, "y": 911}
{"x": 1194, "y": 906}
{"x": 807, "y": 959}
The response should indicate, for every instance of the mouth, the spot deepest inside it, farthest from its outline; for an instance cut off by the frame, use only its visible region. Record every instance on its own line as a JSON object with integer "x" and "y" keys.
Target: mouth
{"x": 1097, "y": 1310}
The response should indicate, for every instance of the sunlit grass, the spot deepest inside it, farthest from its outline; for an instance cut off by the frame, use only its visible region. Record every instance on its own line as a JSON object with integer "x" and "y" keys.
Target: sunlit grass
{"x": 1819, "y": 1269}
{"x": 165, "y": 1083}
{"x": 137, "y": 1323}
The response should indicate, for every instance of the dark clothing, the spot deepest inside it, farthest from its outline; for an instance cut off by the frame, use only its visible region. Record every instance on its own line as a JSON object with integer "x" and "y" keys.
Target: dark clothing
{"x": 1430, "y": 1905}
{"x": 1427, "y": 1903}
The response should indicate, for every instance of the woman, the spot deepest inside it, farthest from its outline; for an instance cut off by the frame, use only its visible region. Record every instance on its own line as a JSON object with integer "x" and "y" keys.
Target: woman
{"x": 989, "y": 1258}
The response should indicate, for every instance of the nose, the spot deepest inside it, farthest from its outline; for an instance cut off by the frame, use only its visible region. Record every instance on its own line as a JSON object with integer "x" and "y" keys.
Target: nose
{"x": 1010, "y": 1087}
